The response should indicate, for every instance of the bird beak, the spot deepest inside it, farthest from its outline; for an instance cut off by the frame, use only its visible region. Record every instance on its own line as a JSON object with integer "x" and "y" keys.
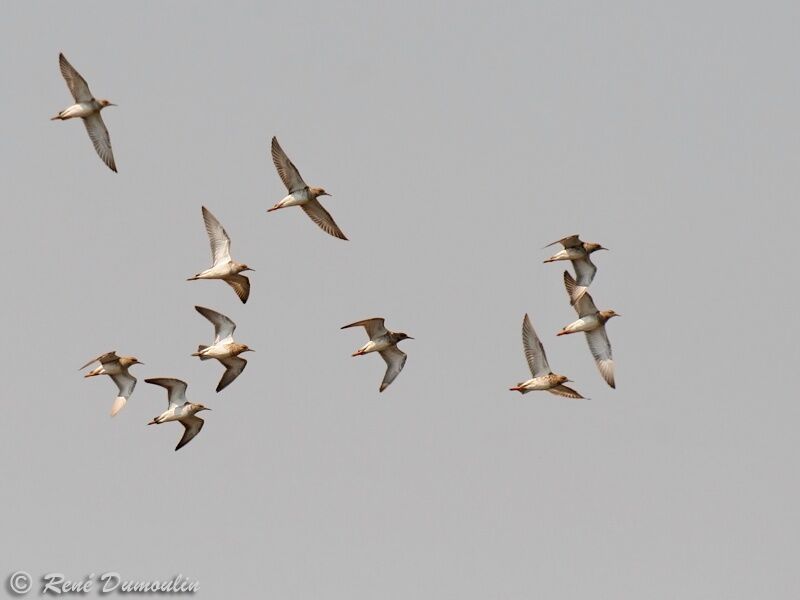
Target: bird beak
{"x": 111, "y": 104}
{"x": 602, "y": 248}
{"x": 138, "y": 362}
{"x": 409, "y": 338}
{"x": 250, "y": 350}
{"x": 325, "y": 194}
{"x": 206, "y": 408}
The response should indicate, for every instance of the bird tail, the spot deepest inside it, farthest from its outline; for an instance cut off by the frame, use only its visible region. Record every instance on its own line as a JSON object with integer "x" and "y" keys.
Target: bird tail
{"x": 119, "y": 404}
{"x": 199, "y": 353}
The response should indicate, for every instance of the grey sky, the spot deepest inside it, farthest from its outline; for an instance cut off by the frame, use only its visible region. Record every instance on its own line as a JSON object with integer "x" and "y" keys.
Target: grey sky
{"x": 457, "y": 140}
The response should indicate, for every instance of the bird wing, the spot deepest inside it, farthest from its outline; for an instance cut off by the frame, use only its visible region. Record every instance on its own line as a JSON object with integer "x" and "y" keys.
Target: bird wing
{"x": 240, "y": 285}
{"x": 77, "y": 85}
{"x": 102, "y": 142}
{"x": 125, "y": 382}
{"x": 288, "y": 172}
{"x": 580, "y": 299}
{"x": 395, "y": 361}
{"x": 374, "y": 327}
{"x": 534, "y": 351}
{"x": 323, "y": 218}
{"x": 565, "y": 391}
{"x": 220, "y": 241}
{"x": 584, "y": 270}
{"x": 601, "y": 350}
{"x": 570, "y": 241}
{"x": 223, "y": 326}
{"x": 102, "y": 359}
{"x": 234, "y": 365}
{"x": 176, "y": 389}
{"x": 193, "y": 425}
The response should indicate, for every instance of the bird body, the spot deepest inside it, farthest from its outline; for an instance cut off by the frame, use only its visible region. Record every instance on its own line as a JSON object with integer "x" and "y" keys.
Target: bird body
{"x": 224, "y": 267}
{"x": 80, "y": 110}
{"x": 540, "y": 384}
{"x": 379, "y": 344}
{"x": 219, "y": 351}
{"x": 175, "y": 413}
{"x": 301, "y": 194}
{"x": 578, "y": 252}
{"x": 543, "y": 378}
{"x": 593, "y": 323}
{"x": 116, "y": 367}
{"x": 586, "y": 323}
{"x": 179, "y": 409}
{"x": 296, "y": 198}
{"x": 88, "y": 108}
{"x": 224, "y": 349}
{"x": 384, "y": 342}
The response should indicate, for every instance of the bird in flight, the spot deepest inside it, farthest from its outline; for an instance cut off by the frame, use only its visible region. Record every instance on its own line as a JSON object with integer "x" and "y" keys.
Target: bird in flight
{"x": 578, "y": 252}
{"x": 116, "y": 367}
{"x": 300, "y": 194}
{"x": 543, "y": 377}
{"x": 224, "y": 349}
{"x": 224, "y": 266}
{"x": 88, "y": 108}
{"x": 593, "y": 323}
{"x": 179, "y": 409}
{"x": 384, "y": 342}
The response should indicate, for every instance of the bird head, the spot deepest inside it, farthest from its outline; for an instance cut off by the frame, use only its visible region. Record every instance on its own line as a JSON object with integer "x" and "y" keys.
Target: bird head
{"x": 241, "y": 267}
{"x": 605, "y": 315}
{"x": 127, "y": 361}
{"x": 315, "y": 192}
{"x": 104, "y": 103}
{"x": 198, "y": 407}
{"x": 404, "y": 336}
{"x": 592, "y": 247}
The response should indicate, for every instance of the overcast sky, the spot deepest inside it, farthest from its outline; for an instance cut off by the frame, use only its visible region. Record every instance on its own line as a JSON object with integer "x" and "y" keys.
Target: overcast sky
{"x": 457, "y": 139}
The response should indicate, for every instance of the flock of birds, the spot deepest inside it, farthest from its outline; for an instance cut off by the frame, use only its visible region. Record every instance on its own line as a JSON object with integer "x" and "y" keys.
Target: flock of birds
{"x": 224, "y": 349}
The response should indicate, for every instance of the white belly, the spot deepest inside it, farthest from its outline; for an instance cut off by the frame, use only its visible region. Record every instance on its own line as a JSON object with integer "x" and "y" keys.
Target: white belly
{"x": 537, "y": 384}
{"x": 218, "y": 351}
{"x": 295, "y": 199}
{"x": 82, "y": 109}
{"x": 587, "y": 323}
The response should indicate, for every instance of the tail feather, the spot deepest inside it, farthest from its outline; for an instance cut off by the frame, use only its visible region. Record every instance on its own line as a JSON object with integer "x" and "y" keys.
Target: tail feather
{"x": 198, "y": 353}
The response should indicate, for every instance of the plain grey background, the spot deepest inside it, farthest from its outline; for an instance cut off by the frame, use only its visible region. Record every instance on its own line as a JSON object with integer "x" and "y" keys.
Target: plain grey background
{"x": 457, "y": 139}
